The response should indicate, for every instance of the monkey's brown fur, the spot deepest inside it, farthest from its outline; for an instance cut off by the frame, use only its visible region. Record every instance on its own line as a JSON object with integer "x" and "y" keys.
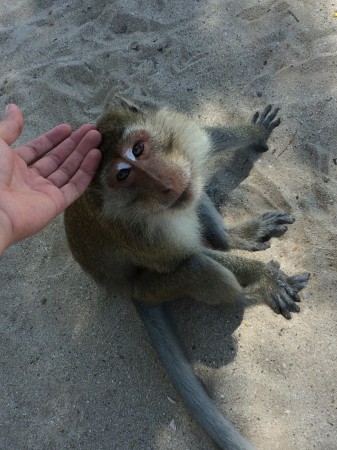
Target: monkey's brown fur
{"x": 146, "y": 229}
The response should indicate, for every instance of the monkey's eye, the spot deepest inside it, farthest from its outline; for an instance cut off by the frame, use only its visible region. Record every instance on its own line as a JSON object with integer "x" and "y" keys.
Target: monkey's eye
{"x": 123, "y": 174}
{"x": 138, "y": 148}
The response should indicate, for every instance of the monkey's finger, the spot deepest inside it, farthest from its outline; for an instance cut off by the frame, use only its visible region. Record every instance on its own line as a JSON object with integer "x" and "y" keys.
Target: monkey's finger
{"x": 265, "y": 113}
{"x": 274, "y": 124}
{"x": 59, "y": 175}
{"x": 80, "y": 181}
{"x": 269, "y": 118}
{"x": 255, "y": 117}
{"x": 11, "y": 125}
{"x": 263, "y": 147}
{"x": 276, "y": 217}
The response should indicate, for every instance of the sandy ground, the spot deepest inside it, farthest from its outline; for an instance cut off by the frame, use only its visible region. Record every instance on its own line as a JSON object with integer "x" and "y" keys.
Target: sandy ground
{"x": 77, "y": 370}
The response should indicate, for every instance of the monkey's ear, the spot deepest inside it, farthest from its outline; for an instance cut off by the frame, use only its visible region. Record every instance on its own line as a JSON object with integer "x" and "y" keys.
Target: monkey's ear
{"x": 126, "y": 103}
{"x": 121, "y": 105}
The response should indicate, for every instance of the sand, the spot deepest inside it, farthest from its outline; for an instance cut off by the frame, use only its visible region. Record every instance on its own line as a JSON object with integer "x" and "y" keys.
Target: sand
{"x": 77, "y": 370}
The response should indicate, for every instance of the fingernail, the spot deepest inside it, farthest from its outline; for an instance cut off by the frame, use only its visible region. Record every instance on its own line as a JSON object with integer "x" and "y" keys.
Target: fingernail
{"x": 8, "y": 108}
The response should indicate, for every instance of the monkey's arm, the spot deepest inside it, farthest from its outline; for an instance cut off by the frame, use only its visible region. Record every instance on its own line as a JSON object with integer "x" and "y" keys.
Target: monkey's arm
{"x": 213, "y": 228}
{"x": 251, "y": 235}
{"x": 254, "y": 134}
{"x": 254, "y": 234}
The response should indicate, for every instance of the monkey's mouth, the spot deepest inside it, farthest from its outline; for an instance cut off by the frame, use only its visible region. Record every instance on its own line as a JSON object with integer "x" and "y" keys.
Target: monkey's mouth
{"x": 184, "y": 198}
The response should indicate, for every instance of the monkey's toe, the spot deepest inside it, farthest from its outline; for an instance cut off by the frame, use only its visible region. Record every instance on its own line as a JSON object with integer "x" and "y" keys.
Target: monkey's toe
{"x": 283, "y": 304}
{"x": 285, "y": 298}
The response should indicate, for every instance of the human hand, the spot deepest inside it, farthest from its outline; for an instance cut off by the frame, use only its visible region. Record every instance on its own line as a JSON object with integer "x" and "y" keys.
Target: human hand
{"x": 38, "y": 180}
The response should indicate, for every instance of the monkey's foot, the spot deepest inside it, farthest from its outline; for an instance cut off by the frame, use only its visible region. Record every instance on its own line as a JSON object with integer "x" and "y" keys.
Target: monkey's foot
{"x": 252, "y": 235}
{"x": 266, "y": 121}
{"x": 283, "y": 296}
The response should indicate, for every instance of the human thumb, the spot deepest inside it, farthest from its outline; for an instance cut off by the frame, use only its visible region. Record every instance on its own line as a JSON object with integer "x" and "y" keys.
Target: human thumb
{"x": 11, "y": 125}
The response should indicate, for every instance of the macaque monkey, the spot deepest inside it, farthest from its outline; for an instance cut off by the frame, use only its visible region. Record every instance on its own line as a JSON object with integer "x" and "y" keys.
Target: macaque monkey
{"x": 147, "y": 231}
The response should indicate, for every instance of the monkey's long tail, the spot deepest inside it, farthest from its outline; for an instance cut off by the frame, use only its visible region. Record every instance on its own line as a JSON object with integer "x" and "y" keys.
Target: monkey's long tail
{"x": 186, "y": 383}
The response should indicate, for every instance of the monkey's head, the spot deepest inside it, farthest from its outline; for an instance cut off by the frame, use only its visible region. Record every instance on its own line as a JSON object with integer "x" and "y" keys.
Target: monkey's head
{"x": 151, "y": 162}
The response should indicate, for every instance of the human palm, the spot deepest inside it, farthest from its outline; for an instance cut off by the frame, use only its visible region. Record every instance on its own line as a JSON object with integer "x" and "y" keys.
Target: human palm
{"x": 40, "y": 179}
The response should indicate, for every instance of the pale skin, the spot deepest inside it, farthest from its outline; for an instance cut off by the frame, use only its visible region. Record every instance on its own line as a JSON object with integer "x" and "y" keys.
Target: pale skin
{"x": 38, "y": 180}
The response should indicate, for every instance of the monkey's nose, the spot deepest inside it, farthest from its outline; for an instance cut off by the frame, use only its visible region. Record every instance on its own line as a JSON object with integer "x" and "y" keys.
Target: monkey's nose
{"x": 169, "y": 187}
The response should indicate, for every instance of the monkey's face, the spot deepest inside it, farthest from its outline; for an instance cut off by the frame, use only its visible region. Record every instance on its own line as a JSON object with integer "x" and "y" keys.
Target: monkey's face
{"x": 146, "y": 171}
{"x": 151, "y": 162}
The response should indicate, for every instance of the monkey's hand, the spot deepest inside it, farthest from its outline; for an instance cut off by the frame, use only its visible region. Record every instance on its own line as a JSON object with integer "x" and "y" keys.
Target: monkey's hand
{"x": 254, "y": 234}
{"x": 278, "y": 290}
{"x": 266, "y": 123}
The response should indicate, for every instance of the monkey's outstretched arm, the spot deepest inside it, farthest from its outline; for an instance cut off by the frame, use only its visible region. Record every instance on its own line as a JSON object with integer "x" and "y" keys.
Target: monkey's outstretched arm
{"x": 252, "y": 235}
{"x": 254, "y": 134}
{"x": 213, "y": 228}
{"x": 255, "y": 233}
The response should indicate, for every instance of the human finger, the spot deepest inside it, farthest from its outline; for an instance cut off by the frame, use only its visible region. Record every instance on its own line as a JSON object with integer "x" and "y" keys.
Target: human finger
{"x": 12, "y": 124}
{"x": 67, "y": 170}
{"x": 57, "y": 156}
{"x": 80, "y": 181}
{"x": 35, "y": 149}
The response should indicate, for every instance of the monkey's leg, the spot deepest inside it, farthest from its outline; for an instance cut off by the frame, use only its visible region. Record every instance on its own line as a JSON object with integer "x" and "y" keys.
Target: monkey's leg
{"x": 199, "y": 277}
{"x": 254, "y": 134}
{"x": 254, "y": 234}
{"x": 264, "y": 282}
